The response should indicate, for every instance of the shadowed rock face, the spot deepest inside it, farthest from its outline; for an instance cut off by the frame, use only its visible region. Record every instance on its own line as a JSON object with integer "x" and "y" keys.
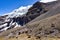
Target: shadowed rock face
{"x": 3, "y": 17}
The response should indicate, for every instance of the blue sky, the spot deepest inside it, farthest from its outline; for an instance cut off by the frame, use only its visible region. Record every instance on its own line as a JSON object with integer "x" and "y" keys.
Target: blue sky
{"x": 9, "y": 5}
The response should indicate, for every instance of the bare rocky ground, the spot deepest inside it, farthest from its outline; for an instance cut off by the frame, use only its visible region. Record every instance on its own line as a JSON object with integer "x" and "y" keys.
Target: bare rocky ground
{"x": 46, "y": 29}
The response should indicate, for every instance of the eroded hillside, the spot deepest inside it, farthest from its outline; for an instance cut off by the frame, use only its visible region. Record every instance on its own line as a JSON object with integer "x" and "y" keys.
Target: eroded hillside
{"x": 47, "y": 28}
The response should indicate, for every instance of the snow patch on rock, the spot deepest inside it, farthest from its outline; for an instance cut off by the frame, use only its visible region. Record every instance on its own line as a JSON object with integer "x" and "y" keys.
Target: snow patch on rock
{"x": 46, "y": 1}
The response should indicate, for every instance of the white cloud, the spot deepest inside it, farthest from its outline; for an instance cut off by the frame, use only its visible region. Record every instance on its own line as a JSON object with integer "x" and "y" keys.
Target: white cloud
{"x": 46, "y": 1}
{"x": 20, "y": 11}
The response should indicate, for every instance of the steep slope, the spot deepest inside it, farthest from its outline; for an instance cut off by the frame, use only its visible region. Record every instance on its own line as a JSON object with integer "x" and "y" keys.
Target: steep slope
{"x": 53, "y": 10}
{"x": 47, "y": 28}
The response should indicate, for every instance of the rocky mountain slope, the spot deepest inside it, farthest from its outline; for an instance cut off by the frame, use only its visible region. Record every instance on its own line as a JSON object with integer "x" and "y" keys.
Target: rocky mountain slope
{"x": 12, "y": 21}
{"x": 41, "y": 22}
{"x": 47, "y": 28}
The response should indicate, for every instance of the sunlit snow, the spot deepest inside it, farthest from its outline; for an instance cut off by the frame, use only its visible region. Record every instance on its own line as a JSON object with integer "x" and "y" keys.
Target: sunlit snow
{"x": 20, "y": 11}
{"x": 46, "y": 1}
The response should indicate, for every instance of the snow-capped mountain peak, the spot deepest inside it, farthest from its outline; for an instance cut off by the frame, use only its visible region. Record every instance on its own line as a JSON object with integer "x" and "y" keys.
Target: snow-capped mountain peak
{"x": 12, "y": 19}
{"x": 46, "y": 1}
{"x": 18, "y": 12}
